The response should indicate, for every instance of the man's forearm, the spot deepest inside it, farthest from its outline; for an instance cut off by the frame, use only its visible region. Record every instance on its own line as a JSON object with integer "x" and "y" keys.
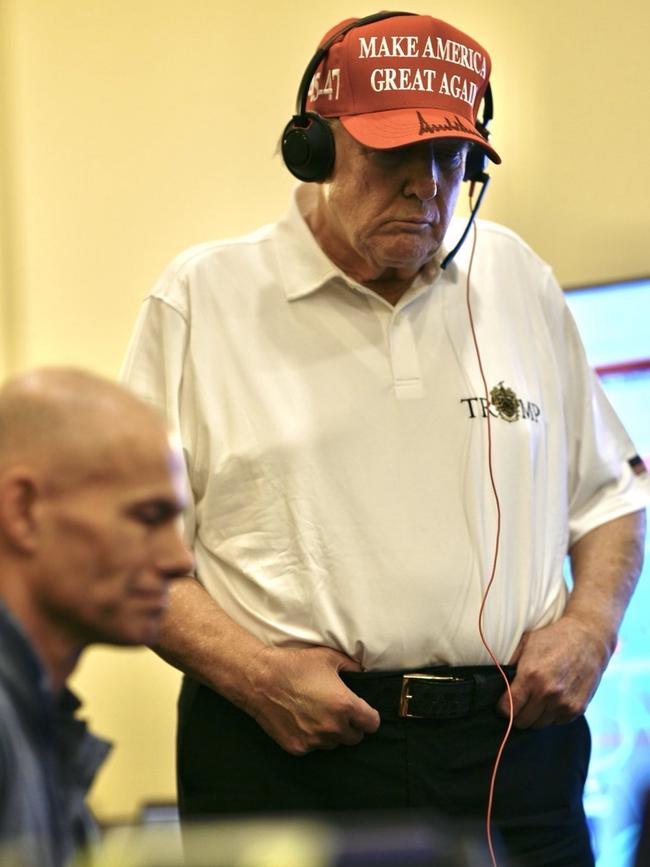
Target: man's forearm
{"x": 606, "y": 564}
{"x": 295, "y": 695}
{"x": 201, "y": 640}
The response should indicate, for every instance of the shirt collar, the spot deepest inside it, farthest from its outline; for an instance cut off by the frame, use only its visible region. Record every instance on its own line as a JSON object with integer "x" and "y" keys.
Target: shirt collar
{"x": 305, "y": 267}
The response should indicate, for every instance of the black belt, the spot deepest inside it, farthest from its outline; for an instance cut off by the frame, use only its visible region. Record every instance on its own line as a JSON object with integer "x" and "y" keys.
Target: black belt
{"x": 441, "y": 692}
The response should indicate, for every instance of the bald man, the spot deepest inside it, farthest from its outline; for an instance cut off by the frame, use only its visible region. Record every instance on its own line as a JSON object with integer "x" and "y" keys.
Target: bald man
{"x": 89, "y": 492}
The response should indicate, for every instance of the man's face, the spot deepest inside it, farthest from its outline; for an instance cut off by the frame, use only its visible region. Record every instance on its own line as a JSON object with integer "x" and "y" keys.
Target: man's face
{"x": 387, "y": 210}
{"x": 110, "y": 546}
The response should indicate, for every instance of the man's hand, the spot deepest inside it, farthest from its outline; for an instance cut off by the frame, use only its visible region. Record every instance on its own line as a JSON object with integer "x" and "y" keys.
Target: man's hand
{"x": 296, "y": 695}
{"x": 298, "y": 698}
{"x": 558, "y": 669}
{"x": 559, "y": 666}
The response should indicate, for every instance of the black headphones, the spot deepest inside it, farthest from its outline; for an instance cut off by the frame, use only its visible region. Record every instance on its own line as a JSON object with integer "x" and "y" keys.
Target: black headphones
{"x": 308, "y": 142}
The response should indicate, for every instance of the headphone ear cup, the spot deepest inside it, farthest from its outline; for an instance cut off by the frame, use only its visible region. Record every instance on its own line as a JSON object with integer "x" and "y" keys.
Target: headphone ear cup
{"x": 308, "y": 147}
{"x": 475, "y": 164}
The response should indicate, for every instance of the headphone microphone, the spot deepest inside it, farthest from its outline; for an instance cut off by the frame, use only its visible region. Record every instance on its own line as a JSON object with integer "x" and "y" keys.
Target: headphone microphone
{"x": 475, "y": 172}
{"x": 476, "y": 162}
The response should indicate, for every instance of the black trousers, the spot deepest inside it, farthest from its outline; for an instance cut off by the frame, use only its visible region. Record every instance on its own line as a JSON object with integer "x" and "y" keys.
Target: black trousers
{"x": 227, "y": 765}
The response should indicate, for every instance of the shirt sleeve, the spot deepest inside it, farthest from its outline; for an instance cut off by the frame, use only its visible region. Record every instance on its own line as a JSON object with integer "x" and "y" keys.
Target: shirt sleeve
{"x": 153, "y": 369}
{"x": 602, "y": 484}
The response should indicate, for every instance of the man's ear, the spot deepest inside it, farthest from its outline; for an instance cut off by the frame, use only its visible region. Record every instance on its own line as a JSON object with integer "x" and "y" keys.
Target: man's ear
{"x": 19, "y": 495}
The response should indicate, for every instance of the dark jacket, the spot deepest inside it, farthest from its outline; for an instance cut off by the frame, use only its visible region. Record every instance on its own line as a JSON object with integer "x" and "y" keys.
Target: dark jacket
{"x": 48, "y": 760}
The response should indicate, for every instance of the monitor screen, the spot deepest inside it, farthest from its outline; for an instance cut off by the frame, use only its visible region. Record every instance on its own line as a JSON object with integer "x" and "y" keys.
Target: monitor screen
{"x": 614, "y": 320}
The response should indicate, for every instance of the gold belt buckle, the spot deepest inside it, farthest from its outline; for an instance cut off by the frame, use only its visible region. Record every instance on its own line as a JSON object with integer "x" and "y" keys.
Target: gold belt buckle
{"x": 405, "y": 695}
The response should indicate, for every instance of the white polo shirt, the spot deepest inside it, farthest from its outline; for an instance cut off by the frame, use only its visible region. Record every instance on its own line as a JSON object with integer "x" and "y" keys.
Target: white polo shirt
{"x": 336, "y": 446}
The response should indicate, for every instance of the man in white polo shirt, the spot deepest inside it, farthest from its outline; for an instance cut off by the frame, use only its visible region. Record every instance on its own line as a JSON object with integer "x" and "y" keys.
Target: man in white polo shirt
{"x": 391, "y": 447}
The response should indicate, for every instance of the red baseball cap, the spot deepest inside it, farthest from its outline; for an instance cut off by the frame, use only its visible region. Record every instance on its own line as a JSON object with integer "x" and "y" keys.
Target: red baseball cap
{"x": 401, "y": 80}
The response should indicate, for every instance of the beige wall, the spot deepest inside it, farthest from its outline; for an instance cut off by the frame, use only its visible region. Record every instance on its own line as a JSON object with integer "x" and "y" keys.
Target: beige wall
{"x": 130, "y": 129}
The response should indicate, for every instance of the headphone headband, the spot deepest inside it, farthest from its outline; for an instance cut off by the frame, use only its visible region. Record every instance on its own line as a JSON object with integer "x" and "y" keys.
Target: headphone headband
{"x": 321, "y": 53}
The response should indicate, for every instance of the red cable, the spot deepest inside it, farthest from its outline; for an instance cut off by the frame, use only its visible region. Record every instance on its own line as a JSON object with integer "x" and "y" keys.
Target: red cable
{"x": 497, "y": 761}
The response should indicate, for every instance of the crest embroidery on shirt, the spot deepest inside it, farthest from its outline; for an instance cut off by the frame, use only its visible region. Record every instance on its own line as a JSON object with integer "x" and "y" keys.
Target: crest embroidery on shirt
{"x": 505, "y": 402}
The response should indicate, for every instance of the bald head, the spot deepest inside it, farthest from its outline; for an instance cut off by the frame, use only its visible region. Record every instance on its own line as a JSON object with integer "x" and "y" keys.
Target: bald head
{"x": 71, "y": 424}
{"x": 90, "y": 490}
